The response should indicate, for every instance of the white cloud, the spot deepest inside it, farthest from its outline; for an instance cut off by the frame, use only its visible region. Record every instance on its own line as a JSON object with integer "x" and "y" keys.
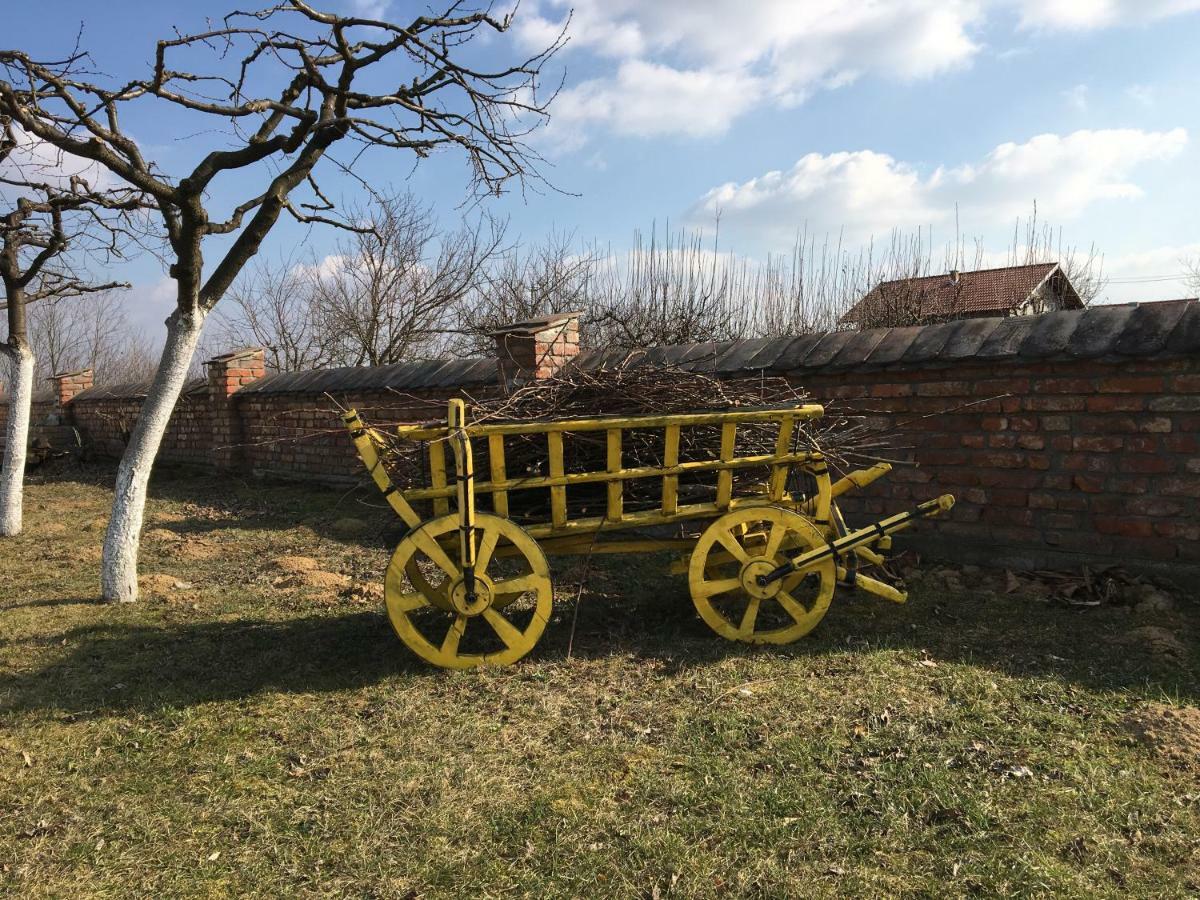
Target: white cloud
{"x": 1159, "y": 273}
{"x": 1089, "y": 14}
{"x": 692, "y": 68}
{"x": 33, "y": 160}
{"x": 1077, "y": 97}
{"x": 866, "y": 193}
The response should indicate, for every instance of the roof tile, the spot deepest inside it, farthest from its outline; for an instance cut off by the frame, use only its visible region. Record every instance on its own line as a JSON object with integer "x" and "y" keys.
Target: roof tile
{"x": 827, "y": 348}
{"x": 997, "y": 291}
{"x": 1006, "y": 339}
{"x": 930, "y": 341}
{"x": 1185, "y": 338}
{"x": 967, "y": 340}
{"x": 1098, "y": 330}
{"x": 1149, "y": 326}
{"x": 894, "y": 345}
{"x": 858, "y": 348}
{"x": 1051, "y": 335}
{"x": 793, "y": 355}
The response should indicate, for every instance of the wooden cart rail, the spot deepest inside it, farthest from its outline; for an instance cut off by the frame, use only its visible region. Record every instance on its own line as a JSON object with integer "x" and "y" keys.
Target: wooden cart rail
{"x": 616, "y": 474}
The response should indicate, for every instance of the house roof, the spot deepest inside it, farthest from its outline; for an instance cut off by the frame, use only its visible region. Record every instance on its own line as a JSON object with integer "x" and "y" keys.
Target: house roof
{"x": 984, "y": 291}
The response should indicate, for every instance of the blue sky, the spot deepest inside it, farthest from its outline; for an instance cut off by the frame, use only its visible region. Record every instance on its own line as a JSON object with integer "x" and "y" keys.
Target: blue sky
{"x": 846, "y": 116}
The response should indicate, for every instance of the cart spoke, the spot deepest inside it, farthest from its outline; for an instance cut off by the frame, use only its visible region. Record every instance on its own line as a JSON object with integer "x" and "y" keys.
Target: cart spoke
{"x": 530, "y": 581}
{"x": 718, "y": 586}
{"x": 506, "y": 630}
{"x": 409, "y": 602}
{"x": 487, "y": 546}
{"x": 747, "y": 627}
{"x": 795, "y": 609}
{"x": 454, "y": 635}
{"x": 730, "y": 543}
{"x": 774, "y": 539}
{"x": 431, "y": 548}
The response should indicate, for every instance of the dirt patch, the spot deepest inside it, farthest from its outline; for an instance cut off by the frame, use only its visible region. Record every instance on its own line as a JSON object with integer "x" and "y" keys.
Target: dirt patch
{"x": 197, "y": 550}
{"x": 162, "y": 535}
{"x": 159, "y": 584}
{"x": 1161, "y": 643}
{"x": 349, "y": 527}
{"x": 314, "y": 578}
{"x": 295, "y": 564}
{"x": 1170, "y": 731}
{"x": 54, "y": 528}
{"x": 97, "y": 524}
{"x": 365, "y": 592}
{"x": 167, "y": 518}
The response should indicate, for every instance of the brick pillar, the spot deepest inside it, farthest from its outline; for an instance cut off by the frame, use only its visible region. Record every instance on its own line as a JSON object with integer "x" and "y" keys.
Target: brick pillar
{"x": 227, "y": 374}
{"x": 67, "y": 386}
{"x": 526, "y": 351}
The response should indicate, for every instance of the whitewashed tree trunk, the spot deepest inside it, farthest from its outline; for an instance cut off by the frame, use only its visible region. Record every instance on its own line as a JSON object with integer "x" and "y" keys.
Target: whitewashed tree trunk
{"x": 12, "y": 475}
{"x": 118, "y": 565}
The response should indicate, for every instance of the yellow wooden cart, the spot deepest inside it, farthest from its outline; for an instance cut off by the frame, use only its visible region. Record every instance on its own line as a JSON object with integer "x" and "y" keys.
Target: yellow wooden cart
{"x": 468, "y": 587}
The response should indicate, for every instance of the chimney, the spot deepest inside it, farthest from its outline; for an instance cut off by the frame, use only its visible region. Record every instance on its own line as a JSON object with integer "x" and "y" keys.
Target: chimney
{"x": 538, "y": 348}
{"x": 227, "y": 374}
{"x": 68, "y": 385}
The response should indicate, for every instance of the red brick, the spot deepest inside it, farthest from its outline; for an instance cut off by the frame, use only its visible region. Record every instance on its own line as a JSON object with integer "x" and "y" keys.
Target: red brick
{"x": 1123, "y": 526}
{"x": 1097, "y": 443}
{"x": 975, "y": 441}
{"x": 944, "y": 389}
{"x": 891, "y": 390}
{"x": 1002, "y": 441}
{"x": 1181, "y": 443}
{"x": 1056, "y": 423}
{"x": 1089, "y": 484}
{"x": 1054, "y": 404}
{"x": 1131, "y": 384}
{"x": 1083, "y": 462}
{"x": 1031, "y": 442}
{"x": 993, "y": 423}
{"x": 1064, "y": 386}
{"x": 1186, "y": 384}
{"x": 1180, "y": 487}
{"x": 1146, "y": 464}
{"x": 1116, "y": 403}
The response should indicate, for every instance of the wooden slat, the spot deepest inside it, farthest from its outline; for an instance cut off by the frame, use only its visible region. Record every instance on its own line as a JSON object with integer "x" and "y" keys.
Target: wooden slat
{"x": 544, "y": 481}
{"x": 670, "y": 483}
{"x": 772, "y": 414}
{"x": 616, "y": 486}
{"x": 499, "y": 476}
{"x": 437, "y": 478}
{"x": 558, "y": 493}
{"x": 779, "y": 471}
{"x": 725, "y": 477}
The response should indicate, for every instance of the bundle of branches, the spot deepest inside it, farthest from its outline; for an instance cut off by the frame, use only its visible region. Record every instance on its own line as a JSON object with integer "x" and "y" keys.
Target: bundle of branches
{"x": 632, "y": 390}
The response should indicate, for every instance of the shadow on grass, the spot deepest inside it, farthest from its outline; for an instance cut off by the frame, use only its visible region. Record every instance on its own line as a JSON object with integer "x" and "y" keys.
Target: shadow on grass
{"x": 141, "y": 667}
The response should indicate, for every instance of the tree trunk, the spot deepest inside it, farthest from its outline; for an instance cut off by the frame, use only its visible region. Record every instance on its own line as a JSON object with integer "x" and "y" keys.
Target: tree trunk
{"x": 118, "y": 566}
{"x": 12, "y": 475}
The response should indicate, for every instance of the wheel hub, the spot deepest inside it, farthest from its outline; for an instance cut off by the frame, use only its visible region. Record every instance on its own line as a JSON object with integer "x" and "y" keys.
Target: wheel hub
{"x": 755, "y": 569}
{"x": 472, "y": 602}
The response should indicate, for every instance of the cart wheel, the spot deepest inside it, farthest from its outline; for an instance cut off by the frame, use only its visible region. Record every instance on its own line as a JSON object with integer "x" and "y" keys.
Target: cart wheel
{"x": 433, "y": 613}
{"x": 730, "y": 556}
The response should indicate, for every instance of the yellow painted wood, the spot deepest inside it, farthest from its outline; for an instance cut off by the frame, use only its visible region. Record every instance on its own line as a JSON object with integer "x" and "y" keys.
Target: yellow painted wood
{"x": 464, "y": 480}
{"x": 558, "y": 493}
{"x": 725, "y": 474}
{"x": 542, "y": 481}
{"x": 437, "y": 477}
{"x": 367, "y": 442}
{"x": 615, "y": 487}
{"x": 496, "y": 458}
{"x": 670, "y": 484}
{"x": 603, "y": 423}
{"x": 509, "y": 640}
{"x": 731, "y": 579}
{"x": 779, "y": 471}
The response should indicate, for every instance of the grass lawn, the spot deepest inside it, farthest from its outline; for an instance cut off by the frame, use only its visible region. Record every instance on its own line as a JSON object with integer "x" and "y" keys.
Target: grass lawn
{"x": 250, "y": 731}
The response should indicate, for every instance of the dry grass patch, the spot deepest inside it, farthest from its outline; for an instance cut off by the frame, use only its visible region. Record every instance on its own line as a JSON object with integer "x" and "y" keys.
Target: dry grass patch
{"x": 258, "y": 741}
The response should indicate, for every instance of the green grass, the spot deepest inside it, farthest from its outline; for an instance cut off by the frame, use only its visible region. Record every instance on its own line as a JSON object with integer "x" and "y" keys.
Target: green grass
{"x": 232, "y": 738}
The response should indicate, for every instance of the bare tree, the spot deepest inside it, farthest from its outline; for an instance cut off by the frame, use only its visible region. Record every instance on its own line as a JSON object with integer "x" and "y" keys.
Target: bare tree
{"x": 294, "y": 81}
{"x": 390, "y": 292}
{"x": 1192, "y": 280}
{"x": 275, "y": 305}
{"x": 90, "y": 332}
{"x": 515, "y": 286}
{"x": 37, "y": 229}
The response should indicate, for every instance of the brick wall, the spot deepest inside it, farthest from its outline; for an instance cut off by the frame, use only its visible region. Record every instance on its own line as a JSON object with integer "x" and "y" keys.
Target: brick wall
{"x": 1067, "y": 438}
